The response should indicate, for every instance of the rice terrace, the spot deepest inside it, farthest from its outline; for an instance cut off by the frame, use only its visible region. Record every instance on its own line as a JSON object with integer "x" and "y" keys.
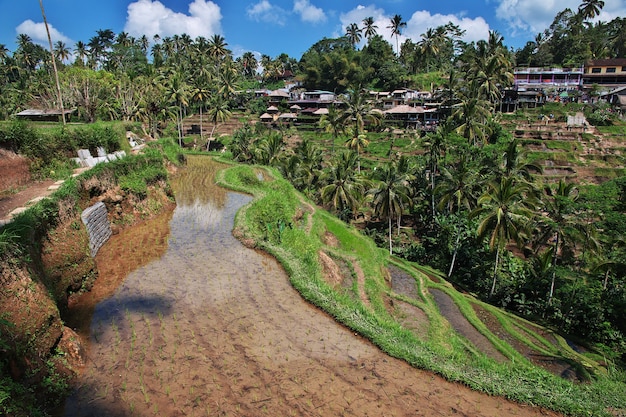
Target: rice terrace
{"x": 391, "y": 225}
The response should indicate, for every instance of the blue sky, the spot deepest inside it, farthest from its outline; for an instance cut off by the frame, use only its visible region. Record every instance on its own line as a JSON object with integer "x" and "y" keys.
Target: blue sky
{"x": 275, "y": 26}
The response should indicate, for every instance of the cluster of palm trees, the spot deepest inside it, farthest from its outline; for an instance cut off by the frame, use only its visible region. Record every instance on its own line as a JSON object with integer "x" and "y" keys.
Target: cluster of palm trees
{"x": 354, "y": 33}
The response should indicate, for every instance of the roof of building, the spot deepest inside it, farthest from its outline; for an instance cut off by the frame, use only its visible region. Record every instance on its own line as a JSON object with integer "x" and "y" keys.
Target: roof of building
{"x": 606, "y": 62}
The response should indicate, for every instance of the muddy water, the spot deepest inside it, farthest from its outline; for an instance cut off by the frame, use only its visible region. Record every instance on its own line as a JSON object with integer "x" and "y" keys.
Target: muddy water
{"x": 212, "y": 328}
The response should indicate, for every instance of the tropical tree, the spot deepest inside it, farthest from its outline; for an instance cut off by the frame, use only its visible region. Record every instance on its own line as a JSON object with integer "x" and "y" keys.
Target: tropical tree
{"x": 590, "y": 8}
{"x": 61, "y": 52}
{"x": 80, "y": 49}
{"x": 471, "y": 115}
{"x": 218, "y": 112}
{"x": 177, "y": 93}
{"x": 458, "y": 191}
{"x": 504, "y": 212}
{"x": 249, "y": 64}
{"x": 390, "y": 194}
{"x": 269, "y": 149}
{"x": 344, "y": 188}
{"x": 334, "y": 123}
{"x": 558, "y": 226}
{"x": 200, "y": 93}
{"x": 396, "y": 25}
{"x": 357, "y": 111}
{"x": 353, "y": 33}
{"x": 369, "y": 28}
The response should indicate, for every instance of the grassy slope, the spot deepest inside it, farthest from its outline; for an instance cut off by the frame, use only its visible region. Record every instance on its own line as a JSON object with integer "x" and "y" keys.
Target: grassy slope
{"x": 294, "y": 237}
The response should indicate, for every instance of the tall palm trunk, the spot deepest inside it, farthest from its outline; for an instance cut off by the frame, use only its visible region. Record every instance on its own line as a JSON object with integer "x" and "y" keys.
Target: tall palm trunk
{"x": 54, "y": 63}
{"x": 201, "y": 130}
{"x": 456, "y": 251}
{"x": 495, "y": 273}
{"x": 554, "y": 261}
{"x": 390, "y": 247}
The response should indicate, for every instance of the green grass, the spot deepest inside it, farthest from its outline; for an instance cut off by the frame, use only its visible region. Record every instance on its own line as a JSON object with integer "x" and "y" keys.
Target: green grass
{"x": 443, "y": 352}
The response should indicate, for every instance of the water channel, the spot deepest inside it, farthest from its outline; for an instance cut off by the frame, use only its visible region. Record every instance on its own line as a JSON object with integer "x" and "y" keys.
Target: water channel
{"x": 212, "y": 328}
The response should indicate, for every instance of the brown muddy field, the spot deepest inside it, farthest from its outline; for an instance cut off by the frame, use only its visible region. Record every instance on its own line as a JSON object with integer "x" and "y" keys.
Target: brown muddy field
{"x": 203, "y": 326}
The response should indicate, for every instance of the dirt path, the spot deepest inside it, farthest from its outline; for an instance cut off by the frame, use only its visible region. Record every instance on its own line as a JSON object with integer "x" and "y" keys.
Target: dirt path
{"x": 31, "y": 191}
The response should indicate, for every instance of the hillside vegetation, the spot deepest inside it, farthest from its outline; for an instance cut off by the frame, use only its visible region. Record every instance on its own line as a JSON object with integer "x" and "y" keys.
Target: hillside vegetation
{"x": 411, "y": 312}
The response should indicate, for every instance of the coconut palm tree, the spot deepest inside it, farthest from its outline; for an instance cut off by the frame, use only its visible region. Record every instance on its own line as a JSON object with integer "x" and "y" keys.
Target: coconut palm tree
{"x": 353, "y": 33}
{"x": 390, "y": 194}
{"x": 471, "y": 115}
{"x": 177, "y": 93}
{"x": 344, "y": 188}
{"x": 505, "y": 210}
{"x": 250, "y": 64}
{"x": 590, "y": 8}
{"x": 218, "y": 47}
{"x": 359, "y": 110}
{"x": 61, "y": 52}
{"x": 269, "y": 149}
{"x": 218, "y": 112}
{"x": 458, "y": 191}
{"x": 334, "y": 123}
{"x": 80, "y": 49}
{"x": 369, "y": 28}
{"x": 396, "y": 25}
{"x": 558, "y": 227}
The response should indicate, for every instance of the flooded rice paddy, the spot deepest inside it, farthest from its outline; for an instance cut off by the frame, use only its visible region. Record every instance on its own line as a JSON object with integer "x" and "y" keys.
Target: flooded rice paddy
{"x": 208, "y": 327}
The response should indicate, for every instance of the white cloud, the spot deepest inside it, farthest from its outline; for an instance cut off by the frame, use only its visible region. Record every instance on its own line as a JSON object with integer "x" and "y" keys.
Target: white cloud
{"x": 308, "y": 12}
{"x": 264, "y": 11}
{"x": 37, "y": 33}
{"x": 533, "y": 16}
{"x": 361, "y": 12}
{"x": 148, "y": 17}
{"x": 475, "y": 28}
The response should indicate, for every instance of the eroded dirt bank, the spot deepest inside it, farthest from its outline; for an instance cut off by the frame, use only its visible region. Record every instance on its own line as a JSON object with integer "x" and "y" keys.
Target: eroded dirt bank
{"x": 214, "y": 328}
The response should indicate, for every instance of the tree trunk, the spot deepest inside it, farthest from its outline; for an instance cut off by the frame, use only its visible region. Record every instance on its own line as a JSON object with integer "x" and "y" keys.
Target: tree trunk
{"x": 201, "y": 131}
{"x": 180, "y": 126}
{"x": 390, "y": 247}
{"x": 495, "y": 273}
{"x": 208, "y": 143}
{"x": 54, "y": 63}
{"x": 456, "y": 250}
{"x": 554, "y": 260}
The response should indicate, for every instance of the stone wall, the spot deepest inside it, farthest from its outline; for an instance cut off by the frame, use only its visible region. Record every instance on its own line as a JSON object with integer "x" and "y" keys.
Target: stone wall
{"x": 98, "y": 226}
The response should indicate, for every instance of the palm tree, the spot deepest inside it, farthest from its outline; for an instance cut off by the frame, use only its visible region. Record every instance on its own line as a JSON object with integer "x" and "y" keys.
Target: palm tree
{"x": 471, "y": 115}
{"x": 334, "y": 123}
{"x": 558, "y": 225}
{"x": 458, "y": 192}
{"x": 515, "y": 163}
{"x": 369, "y": 28}
{"x": 80, "y": 49}
{"x": 396, "y": 25}
{"x": 269, "y": 149}
{"x": 357, "y": 111}
{"x": 429, "y": 45}
{"x": 390, "y": 194}
{"x": 177, "y": 94}
{"x": 250, "y": 64}
{"x": 505, "y": 208}
{"x": 218, "y": 112}
{"x": 357, "y": 144}
{"x": 218, "y": 47}
{"x": 344, "y": 188}
{"x": 353, "y": 33}
{"x": 61, "y": 52}
{"x": 54, "y": 64}
{"x": 200, "y": 92}
{"x": 590, "y": 8}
